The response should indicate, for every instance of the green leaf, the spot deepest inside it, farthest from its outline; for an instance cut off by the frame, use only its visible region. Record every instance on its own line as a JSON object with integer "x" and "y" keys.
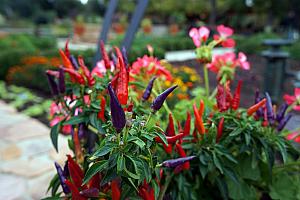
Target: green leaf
{"x": 102, "y": 151}
{"x": 75, "y": 120}
{"x": 282, "y": 149}
{"x": 134, "y": 175}
{"x": 54, "y": 135}
{"x": 96, "y": 123}
{"x": 222, "y": 187}
{"x": 217, "y": 163}
{"x": 162, "y": 137}
{"x": 94, "y": 169}
{"x": 120, "y": 163}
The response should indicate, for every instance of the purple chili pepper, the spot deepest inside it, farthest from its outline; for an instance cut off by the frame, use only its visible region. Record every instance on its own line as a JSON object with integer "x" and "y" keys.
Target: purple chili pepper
{"x": 259, "y": 112}
{"x": 284, "y": 121}
{"x": 82, "y": 130}
{"x": 148, "y": 90}
{"x": 269, "y": 106}
{"x": 117, "y": 113}
{"x": 281, "y": 111}
{"x": 90, "y": 193}
{"x": 61, "y": 81}
{"x": 160, "y": 99}
{"x": 74, "y": 62}
{"x": 125, "y": 57}
{"x": 176, "y": 162}
{"x": 52, "y": 84}
{"x": 66, "y": 170}
{"x": 62, "y": 178}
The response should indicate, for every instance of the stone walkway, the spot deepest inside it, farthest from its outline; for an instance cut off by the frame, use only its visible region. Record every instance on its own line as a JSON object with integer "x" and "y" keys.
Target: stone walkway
{"x": 26, "y": 156}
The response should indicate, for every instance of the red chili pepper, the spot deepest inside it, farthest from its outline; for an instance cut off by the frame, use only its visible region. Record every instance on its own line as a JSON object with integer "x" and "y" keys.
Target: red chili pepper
{"x": 86, "y": 72}
{"x": 67, "y": 52}
{"x": 170, "y": 129}
{"x": 66, "y": 62}
{"x": 187, "y": 125}
{"x": 171, "y": 139}
{"x": 75, "y": 76}
{"x": 115, "y": 190}
{"x": 255, "y": 107}
{"x": 75, "y": 171}
{"x": 114, "y": 81}
{"x": 209, "y": 120}
{"x": 104, "y": 56}
{"x": 75, "y": 192}
{"x": 220, "y": 129}
{"x": 201, "y": 108}
{"x": 95, "y": 181}
{"x": 122, "y": 86}
{"x": 236, "y": 97}
{"x": 195, "y": 135}
{"x": 102, "y": 109}
{"x": 182, "y": 154}
{"x": 198, "y": 120}
{"x": 146, "y": 192}
{"x": 77, "y": 147}
{"x": 168, "y": 148}
{"x": 228, "y": 95}
{"x": 119, "y": 56}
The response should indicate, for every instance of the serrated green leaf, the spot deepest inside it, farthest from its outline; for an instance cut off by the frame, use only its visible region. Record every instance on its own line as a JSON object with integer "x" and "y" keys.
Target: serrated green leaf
{"x": 94, "y": 169}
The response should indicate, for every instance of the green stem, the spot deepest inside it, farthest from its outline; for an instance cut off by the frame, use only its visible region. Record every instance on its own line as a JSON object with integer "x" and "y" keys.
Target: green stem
{"x": 165, "y": 187}
{"x": 213, "y": 94}
{"x": 148, "y": 120}
{"x": 206, "y": 80}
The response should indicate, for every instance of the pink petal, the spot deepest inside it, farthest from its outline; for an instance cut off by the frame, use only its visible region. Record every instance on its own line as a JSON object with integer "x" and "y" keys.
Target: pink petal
{"x": 197, "y": 42}
{"x": 242, "y": 57}
{"x": 193, "y": 33}
{"x": 245, "y": 65}
{"x": 204, "y": 33}
{"x": 297, "y": 92}
{"x": 229, "y": 43}
{"x": 224, "y": 31}
{"x": 297, "y": 108}
{"x": 289, "y": 99}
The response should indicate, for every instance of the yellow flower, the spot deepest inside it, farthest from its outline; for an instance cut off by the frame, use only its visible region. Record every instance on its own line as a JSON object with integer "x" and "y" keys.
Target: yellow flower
{"x": 168, "y": 83}
{"x": 193, "y": 78}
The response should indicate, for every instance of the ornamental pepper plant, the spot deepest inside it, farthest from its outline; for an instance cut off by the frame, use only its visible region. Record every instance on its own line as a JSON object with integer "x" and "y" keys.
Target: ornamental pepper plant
{"x": 128, "y": 143}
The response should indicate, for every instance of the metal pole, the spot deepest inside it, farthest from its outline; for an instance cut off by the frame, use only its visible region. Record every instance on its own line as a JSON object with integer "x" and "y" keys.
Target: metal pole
{"x": 134, "y": 24}
{"x": 105, "y": 28}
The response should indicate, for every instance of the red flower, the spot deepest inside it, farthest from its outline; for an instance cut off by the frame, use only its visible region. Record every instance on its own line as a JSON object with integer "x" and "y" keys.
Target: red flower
{"x": 293, "y": 100}
{"x": 151, "y": 66}
{"x": 223, "y": 37}
{"x": 294, "y": 136}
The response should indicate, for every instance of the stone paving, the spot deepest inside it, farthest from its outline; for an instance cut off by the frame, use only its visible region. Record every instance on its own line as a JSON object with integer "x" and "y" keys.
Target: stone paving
{"x": 26, "y": 156}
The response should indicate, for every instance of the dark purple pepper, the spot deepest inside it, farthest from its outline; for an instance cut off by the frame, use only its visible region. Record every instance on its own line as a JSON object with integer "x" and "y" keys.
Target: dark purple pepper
{"x": 259, "y": 112}
{"x": 281, "y": 111}
{"x": 66, "y": 170}
{"x": 284, "y": 121}
{"x": 269, "y": 106}
{"x": 52, "y": 85}
{"x": 62, "y": 178}
{"x": 82, "y": 130}
{"x": 125, "y": 57}
{"x": 90, "y": 193}
{"x": 176, "y": 162}
{"x": 117, "y": 113}
{"x": 160, "y": 99}
{"x": 148, "y": 90}
{"x": 74, "y": 62}
{"x": 61, "y": 81}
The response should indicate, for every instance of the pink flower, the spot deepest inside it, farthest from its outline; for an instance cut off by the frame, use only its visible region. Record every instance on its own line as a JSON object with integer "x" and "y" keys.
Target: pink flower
{"x": 100, "y": 68}
{"x": 227, "y": 62}
{"x": 66, "y": 129}
{"x": 289, "y": 99}
{"x": 199, "y": 35}
{"x": 294, "y": 136}
{"x": 242, "y": 61}
{"x": 223, "y": 37}
{"x": 150, "y": 66}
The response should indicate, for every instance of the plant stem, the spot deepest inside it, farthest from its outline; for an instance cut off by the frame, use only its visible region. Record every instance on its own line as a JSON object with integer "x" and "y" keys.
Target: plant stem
{"x": 165, "y": 187}
{"x": 148, "y": 120}
{"x": 206, "y": 80}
